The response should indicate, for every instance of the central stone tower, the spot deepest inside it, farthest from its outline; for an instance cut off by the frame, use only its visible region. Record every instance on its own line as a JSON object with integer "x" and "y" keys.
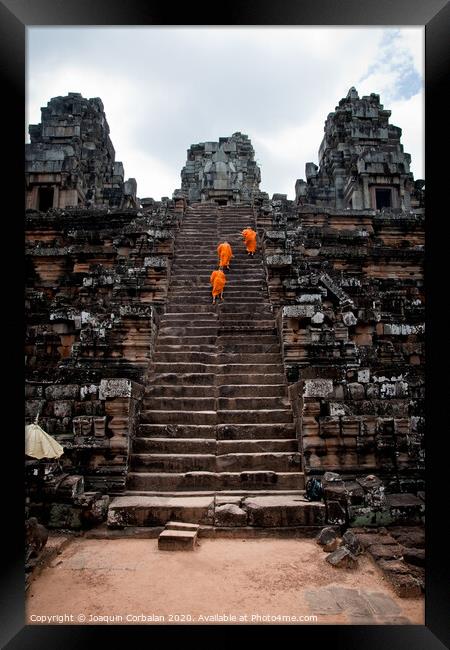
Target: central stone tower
{"x": 225, "y": 171}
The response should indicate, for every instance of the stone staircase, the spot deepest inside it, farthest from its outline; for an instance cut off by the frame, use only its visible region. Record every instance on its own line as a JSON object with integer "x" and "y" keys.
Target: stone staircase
{"x": 216, "y": 425}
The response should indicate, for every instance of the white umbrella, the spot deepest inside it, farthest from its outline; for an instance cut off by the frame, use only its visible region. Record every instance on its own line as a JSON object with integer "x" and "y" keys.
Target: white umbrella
{"x": 39, "y": 444}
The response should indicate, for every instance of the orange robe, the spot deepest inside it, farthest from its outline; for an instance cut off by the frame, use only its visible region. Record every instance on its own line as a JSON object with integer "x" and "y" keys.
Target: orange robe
{"x": 225, "y": 254}
{"x": 249, "y": 236}
{"x": 218, "y": 281}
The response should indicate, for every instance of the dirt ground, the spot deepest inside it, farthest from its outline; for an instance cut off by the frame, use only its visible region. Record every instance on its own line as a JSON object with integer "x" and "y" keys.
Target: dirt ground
{"x": 232, "y": 581}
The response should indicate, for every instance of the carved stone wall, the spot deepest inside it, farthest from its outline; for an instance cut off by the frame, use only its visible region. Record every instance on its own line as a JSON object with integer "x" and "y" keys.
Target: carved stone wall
{"x": 96, "y": 284}
{"x": 349, "y": 290}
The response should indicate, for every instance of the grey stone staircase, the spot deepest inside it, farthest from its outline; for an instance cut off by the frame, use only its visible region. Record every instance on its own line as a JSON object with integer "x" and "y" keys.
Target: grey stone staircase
{"x": 216, "y": 419}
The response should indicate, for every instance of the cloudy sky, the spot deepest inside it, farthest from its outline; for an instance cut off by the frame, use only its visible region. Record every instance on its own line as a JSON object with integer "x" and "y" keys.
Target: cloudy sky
{"x": 165, "y": 88}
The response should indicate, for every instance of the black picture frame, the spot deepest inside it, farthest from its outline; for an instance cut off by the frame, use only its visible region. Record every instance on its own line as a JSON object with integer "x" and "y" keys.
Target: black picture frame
{"x": 15, "y": 16}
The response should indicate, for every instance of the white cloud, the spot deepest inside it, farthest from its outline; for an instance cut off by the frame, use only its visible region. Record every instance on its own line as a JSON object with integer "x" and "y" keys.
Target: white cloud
{"x": 409, "y": 116}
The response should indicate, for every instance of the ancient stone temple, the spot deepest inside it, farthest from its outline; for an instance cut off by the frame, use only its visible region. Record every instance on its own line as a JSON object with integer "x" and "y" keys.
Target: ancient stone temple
{"x": 362, "y": 164}
{"x": 171, "y": 408}
{"x": 70, "y": 160}
{"x": 223, "y": 171}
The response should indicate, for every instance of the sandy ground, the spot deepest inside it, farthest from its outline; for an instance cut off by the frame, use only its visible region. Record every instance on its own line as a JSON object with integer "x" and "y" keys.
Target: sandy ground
{"x": 250, "y": 581}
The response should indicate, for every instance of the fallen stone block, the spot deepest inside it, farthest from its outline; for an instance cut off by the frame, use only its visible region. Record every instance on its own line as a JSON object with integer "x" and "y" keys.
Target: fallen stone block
{"x": 351, "y": 541}
{"x": 230, "y": 514}
{"x": 342, "y": 558}
{"x": 327, "y": 539}
{"x": 177, "y": 540}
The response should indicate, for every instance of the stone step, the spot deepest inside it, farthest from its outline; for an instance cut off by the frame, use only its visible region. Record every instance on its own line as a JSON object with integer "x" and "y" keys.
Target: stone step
{"x": 260, "y": 416}
{"x": 215, "y": 481}
{"x": 209, "y": 348}
{"x": 177, "y": 540}
{"x": 255, "y": 431}
{"x": 187, "y": 340}
{"x": 253, "y": 339}
{"x": 252, "y": 403}
{"x": 256, "y": 446}
{"x": 158, "y": 510}
{"x": 187, "y": 309}
{"x": 159, "y": 390}
{"x": 180, "y": 379}
{"x": 178, "y": 417}
{"x": 284, "y": 510}
{"x": 211, "y": 446}
{"x": 238, "y": 283}
{"x": 175, "y": 445}
{"x": 232, "y": 299}
{"x": 252, "y": 379}
{"x": 185, "y": 357}
{"x": 266, "y": 391}
{"x": 229, "y": 462}
{"x": 213, "y": 348}
{"x": 220, "y": 358}
{"x": 249, "y": 348}
{"x": 225, "y": 432}
{"x": 209, "y": 318}
{"x": 181, "y": 331}
{"x": 177, "y": 431}
{"x": 258, "y": 390}
{"x": 233, "y": 289}
{"x": 204, "y": 368}
{"x": 178, "y": 403}
{"x": 180, "y": 463}
{"x": 202, "y": 275}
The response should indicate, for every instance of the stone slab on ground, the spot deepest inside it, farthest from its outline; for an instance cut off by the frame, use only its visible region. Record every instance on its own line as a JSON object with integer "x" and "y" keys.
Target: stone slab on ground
{"x": 177, "y": 540}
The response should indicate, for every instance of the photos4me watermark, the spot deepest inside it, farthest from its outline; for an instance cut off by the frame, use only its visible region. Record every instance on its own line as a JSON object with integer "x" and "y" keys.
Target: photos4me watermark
{"x": 62, "y": 619}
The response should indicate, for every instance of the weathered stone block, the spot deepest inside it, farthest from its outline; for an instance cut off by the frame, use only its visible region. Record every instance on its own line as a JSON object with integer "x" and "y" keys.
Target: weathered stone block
{"x": 342, "y": 558}
{"x": 318, "y": 387}
{"x": 62, "y": 409}
{"x": 111, "y": 388}
{"x": 62, "y": 392}
{"x": 230, "y": 514}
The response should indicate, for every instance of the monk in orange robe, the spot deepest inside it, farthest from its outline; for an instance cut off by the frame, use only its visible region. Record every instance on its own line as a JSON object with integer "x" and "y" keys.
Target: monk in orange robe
{"x": 217, "y": 281}
{"x": 225, "y": 254}
{"x": 249, "y": 236}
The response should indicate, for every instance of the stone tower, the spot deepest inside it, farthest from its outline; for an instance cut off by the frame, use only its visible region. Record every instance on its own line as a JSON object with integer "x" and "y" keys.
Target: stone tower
{"x": 362, "y": 164}
{"x": 70, "y": 161}
{"x": 223, "y": 171}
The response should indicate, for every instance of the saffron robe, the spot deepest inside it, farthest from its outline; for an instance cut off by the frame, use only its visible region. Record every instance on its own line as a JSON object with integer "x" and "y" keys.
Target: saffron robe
{"x": 218, "y": 281}
{"x": 249, "y": 236}
{"x": 225, "y": 253}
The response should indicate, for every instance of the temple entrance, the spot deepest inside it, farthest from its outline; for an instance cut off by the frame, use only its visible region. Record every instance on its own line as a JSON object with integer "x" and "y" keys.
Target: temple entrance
{"x": 383, "y": 198}
{"x": 45, "y": 201}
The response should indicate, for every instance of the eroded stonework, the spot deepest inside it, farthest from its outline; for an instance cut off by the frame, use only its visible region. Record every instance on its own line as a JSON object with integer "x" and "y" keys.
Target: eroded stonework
{"x": 70, "y": 161}
{"x": 223, "y": 171}
{"x": 362, "y": 164}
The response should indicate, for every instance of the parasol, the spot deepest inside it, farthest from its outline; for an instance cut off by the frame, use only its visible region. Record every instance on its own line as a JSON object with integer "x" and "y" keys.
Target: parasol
{"x": 39, "y": 444}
